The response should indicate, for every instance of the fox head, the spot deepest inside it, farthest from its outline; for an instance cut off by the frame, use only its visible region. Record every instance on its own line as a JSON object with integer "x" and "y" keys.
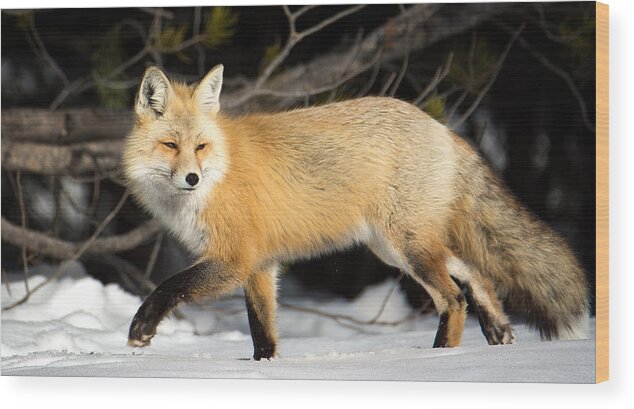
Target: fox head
{"x": 175, "y": 147}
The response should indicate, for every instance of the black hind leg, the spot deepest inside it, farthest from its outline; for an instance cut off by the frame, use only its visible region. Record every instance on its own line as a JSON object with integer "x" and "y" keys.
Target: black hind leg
{"x": 481, "y": 295}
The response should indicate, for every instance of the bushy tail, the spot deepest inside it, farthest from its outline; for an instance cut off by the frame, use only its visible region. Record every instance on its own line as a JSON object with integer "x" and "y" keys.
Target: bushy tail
{"x": 533, "y": 268}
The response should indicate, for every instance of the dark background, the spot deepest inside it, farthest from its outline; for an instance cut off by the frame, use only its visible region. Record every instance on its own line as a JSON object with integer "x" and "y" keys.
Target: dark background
{"x": 530, "y": 124}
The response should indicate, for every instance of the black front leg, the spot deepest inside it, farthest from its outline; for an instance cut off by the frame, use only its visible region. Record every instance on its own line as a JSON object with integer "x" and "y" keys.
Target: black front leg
{"x": 259, "y": 292}
{"x": 205, "y": 279}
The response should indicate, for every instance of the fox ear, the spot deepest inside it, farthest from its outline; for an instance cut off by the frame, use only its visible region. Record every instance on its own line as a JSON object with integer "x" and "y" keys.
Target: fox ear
{"x": 153, "y": 93}
{"x": 208, "y": 91}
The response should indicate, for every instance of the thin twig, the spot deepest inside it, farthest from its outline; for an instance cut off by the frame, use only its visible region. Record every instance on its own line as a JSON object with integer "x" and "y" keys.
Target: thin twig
{"x": 80, "y": 84}
{"x": 330, "y": 20}
{"x": 62, "y": 268}
{"x": 342, "y": 317}
{"x": 44, "y": 53}
{"x": 472, "y": 48}
{"x": 318, "y": 90}
{"x": 199, "y": 49}
{"x": 128, "y": 63}
{"x": 84, "y": 84}
{"x": 154, "y": 37}
{"x": 96, "y": 189}
{"x": 136, "y": 26}
{"x": 440, "y": 74}
{"x": 5, "y": 280}
{"x": 370, "y": 83}
{"x": 561, "y": 39}
{"x": 129, "y": 269}
{"x": 387, "y": 298}
{"x": 154, "y": 255}
{"x": 373, "y": 321}
{"x": 494, "y": 75}
{"x": 457, "y": 103}
{"x": 470, "y": 87}
{"x": 117, "y": 84}
{"x": 125, "y": 278}
{"x": 405, "y": 63}
{"x": 301, "y": 11}
{"x": 78, "y": 208}
{"x": 386, "y": 86}
{"x": 185, "y": 44}
{"x": 25, "y": 261}
{"x": 480, "y": 134}
{"x": 57, "y": 214}
{"x": 401, "y": 74}
{"x": 354, "y": 53}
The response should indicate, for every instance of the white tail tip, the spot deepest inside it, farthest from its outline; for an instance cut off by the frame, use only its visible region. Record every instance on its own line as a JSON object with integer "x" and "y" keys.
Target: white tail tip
{"x": 578, "y": 329}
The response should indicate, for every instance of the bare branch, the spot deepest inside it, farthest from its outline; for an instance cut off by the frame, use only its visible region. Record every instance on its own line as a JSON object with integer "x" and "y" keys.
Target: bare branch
{"x": 46, "y": 245}
{"x": 65, "y": 126}
{"x": 76, "y": 159}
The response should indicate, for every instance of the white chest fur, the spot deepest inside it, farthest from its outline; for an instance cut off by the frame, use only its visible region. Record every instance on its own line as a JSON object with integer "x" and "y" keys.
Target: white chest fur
{"x": 180, "y": 214}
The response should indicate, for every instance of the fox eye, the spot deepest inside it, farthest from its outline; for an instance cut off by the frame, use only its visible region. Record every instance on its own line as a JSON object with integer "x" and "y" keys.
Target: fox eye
{"x": 170, "y": 145}
{"x": 201, "y": 146}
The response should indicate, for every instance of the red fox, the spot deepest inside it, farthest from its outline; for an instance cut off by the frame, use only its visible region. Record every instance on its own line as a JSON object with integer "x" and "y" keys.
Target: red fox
{"x": 246, "y": 194}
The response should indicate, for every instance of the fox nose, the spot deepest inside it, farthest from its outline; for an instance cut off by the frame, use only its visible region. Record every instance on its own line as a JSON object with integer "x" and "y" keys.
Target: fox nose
{"x": 192, "y": 179}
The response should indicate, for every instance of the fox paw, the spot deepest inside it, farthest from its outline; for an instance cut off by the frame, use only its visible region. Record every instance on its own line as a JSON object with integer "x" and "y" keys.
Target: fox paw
{"x": 264, "y": 352}
{"x": 499, "y": 334}
{"x": 141, "y": 331}
{"x": 140, "y": 343}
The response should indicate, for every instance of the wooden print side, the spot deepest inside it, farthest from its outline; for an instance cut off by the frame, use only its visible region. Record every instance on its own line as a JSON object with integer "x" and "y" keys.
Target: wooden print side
{"x": 602, "y": 193}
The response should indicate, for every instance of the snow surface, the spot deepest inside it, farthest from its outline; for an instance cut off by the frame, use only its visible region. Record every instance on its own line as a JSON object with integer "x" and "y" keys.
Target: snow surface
{"x": 76, "y": 326}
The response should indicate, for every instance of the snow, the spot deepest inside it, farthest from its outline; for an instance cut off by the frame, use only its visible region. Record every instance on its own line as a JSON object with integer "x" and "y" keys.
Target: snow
{"x": 75, "y": 326}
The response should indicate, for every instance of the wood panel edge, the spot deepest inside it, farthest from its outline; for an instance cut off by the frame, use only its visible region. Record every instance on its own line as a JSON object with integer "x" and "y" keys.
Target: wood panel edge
{"x": 602, "y": 193}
